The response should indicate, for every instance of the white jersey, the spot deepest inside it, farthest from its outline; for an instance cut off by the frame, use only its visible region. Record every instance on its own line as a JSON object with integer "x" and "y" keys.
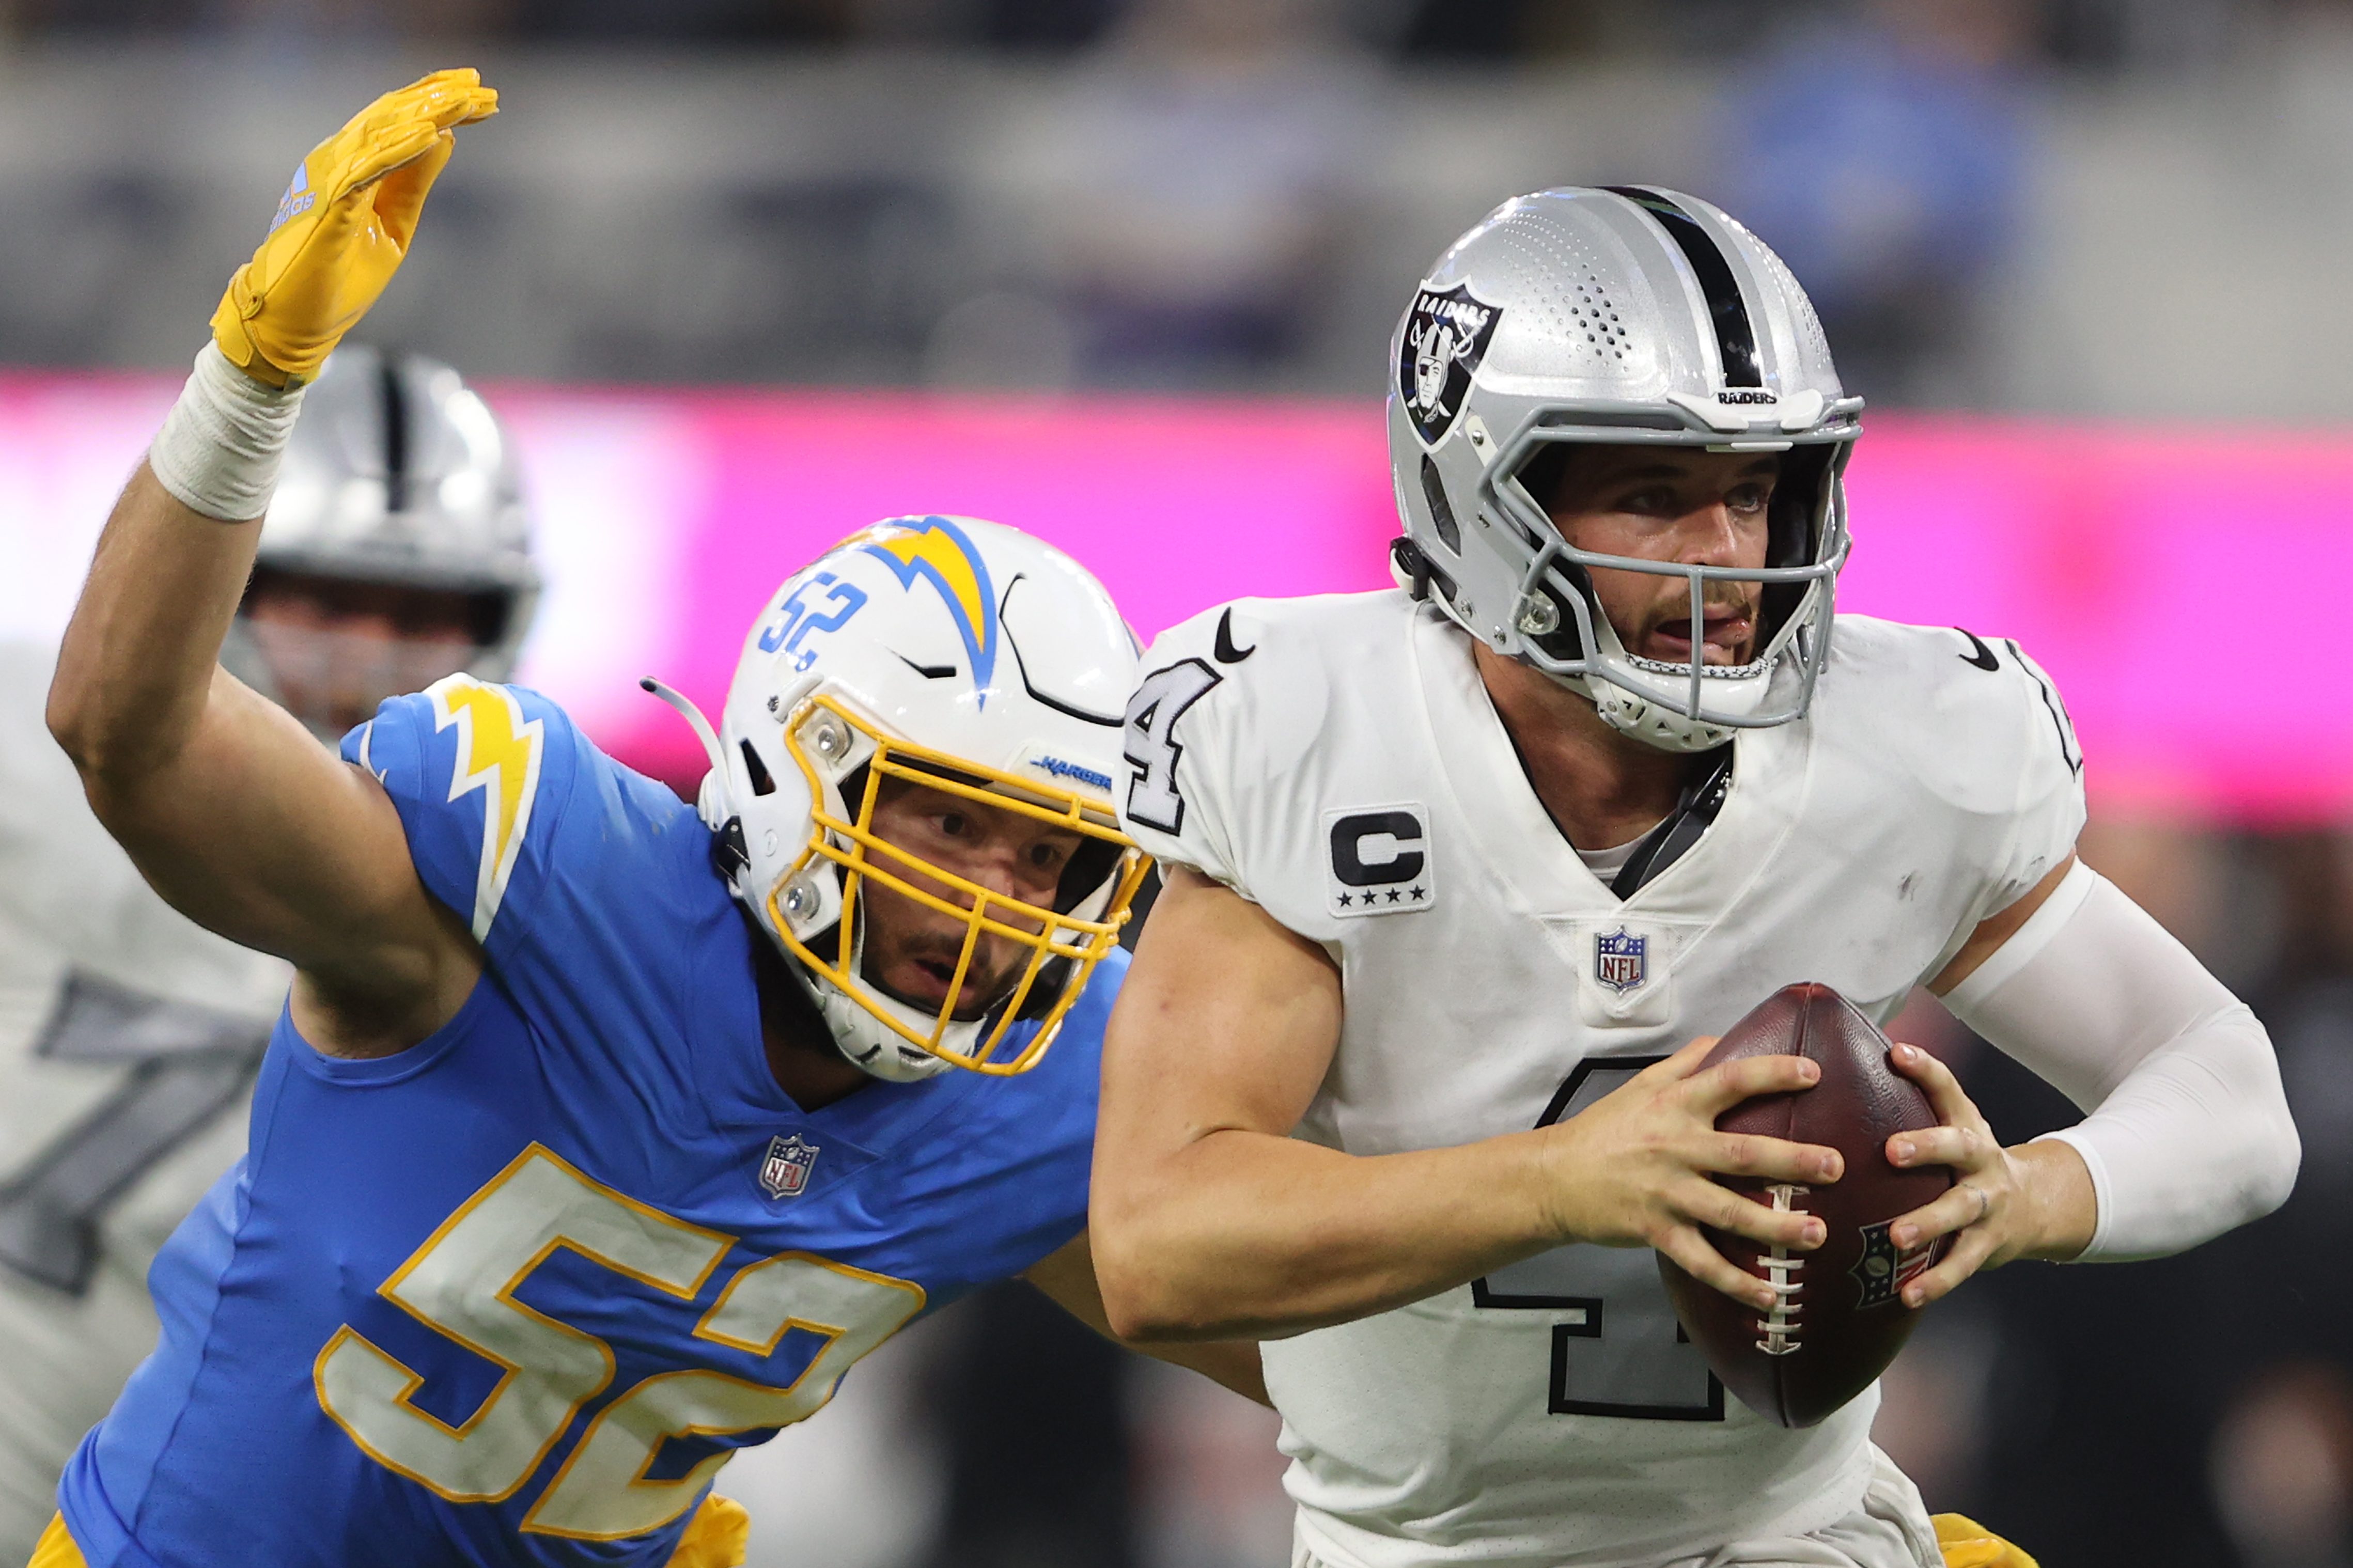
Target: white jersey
{"x": 128, "y": 1041}
{"x": 1337, "y": 762}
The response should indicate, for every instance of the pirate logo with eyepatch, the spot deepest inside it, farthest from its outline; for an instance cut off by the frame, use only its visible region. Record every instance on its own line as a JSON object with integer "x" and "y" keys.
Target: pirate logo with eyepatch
{"x": 1446, "y": 336}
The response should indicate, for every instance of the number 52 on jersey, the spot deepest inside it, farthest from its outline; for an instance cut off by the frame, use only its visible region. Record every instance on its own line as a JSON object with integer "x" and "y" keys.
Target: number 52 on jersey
{"x": 461, "y": 1284}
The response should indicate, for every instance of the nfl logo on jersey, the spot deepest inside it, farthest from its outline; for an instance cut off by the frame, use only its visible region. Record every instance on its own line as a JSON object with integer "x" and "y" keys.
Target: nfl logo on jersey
{"x": 1620, "y": 961}
{"x": 785, "y": 1169}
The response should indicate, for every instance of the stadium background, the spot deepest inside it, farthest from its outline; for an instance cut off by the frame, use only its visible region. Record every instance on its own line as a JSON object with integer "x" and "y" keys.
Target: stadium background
{"x": 744, "y": 274}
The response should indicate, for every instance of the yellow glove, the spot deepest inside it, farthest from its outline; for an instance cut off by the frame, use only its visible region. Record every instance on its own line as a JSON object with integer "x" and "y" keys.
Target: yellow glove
{"x": 343, "y": 227}
{"x": 1966, "y": 1544}
{"x": 716, "y": 1536}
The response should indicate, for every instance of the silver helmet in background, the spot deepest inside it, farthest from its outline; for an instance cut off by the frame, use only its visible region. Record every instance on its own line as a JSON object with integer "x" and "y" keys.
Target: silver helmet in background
{"x": 1625, "y": 315}
{"x": 397, "y": 549}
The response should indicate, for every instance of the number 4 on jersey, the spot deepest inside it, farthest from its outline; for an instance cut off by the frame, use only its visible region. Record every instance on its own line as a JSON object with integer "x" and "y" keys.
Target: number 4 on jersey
{"x": 1150, "y": 743}
{"x": 1616, "y": 1347}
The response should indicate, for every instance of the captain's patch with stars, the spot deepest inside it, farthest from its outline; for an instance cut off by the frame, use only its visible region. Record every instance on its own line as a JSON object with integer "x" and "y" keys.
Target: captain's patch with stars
{"x": 1379, "y": 860}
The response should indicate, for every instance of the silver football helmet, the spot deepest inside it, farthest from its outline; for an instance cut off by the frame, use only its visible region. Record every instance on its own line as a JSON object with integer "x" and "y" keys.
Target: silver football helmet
{"x": 1630, "y": 314}
{"x": 396, "y": 474}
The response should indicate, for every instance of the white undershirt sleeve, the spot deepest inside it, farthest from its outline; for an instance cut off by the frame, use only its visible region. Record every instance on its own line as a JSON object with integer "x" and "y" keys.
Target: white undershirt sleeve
{"x": 2188, "y": 1133}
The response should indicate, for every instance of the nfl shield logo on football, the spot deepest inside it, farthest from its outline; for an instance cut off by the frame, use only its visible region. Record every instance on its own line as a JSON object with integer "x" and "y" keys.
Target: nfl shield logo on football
{"x": 1884, "y": 1269}
{"x": 785, "y": 1169}
{"x": 1621, "y": 960}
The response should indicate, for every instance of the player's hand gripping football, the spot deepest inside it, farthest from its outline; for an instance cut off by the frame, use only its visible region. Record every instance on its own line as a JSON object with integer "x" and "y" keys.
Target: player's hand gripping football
{"x": 1634, "y": 1168}
{"x": 2004, "y": 1202}
{"x": 343, "y": 227}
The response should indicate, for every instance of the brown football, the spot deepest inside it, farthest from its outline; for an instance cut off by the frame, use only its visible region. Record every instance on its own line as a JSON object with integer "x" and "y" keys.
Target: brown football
{"x": 1844, "y": 1320}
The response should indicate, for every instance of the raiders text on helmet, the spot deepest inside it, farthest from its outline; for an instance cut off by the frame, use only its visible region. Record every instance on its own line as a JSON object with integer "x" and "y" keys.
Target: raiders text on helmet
{"x": 1622, "y": 315}
{"x": 955, "y": 654}
{"x": 396, "y": 473}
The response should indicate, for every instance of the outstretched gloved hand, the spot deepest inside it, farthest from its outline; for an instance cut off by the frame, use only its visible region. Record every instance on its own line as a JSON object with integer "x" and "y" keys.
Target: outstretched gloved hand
{"x": 342, "y": 229}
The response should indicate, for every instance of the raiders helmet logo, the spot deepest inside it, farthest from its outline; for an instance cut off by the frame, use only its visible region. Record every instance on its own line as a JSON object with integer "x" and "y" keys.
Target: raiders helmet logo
{"x": 1446, "y": 335}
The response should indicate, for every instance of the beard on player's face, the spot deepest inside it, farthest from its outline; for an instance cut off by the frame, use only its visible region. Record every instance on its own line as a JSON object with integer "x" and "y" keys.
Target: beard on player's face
{"x": 1681, "y": 504}
{"x": 911, "y": 954}
{"x": 912, "y": 948}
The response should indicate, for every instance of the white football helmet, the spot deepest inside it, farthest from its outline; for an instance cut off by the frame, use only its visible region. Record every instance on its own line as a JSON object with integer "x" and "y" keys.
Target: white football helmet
{"x": 1623, "y": 315}
{"x": 953, "y": 653}
{"x": 397, "y": 472}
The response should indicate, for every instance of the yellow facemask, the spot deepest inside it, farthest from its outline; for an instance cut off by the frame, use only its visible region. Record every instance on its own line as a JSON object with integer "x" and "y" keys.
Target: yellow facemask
{"x": 822, "y": 736}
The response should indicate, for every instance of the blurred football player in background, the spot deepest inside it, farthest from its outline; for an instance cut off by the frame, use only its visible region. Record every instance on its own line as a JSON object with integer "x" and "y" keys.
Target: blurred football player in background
{"x": 1483, "y": 853}
{"x": 667, "y": 1116}
{"x": 396, "y": 550}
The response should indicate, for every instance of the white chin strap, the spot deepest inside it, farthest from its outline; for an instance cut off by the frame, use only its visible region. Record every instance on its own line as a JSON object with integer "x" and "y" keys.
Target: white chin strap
{"x": 872, "y": 1046}
{"x": 1641, "y": 701}
{"x": 1654, "y": 723}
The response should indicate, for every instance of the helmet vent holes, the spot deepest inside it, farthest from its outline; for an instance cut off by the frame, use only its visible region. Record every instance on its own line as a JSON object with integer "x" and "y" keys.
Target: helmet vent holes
{"x": 1816, "y": 343}
{"x": 1604, "y": 315}
{"x": 1593, "y": 314}
{"x": 1579, "y": 307}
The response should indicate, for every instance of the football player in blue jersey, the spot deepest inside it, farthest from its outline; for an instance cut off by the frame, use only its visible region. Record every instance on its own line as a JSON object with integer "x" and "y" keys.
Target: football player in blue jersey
{"x": 600, "y": 1135}
{"x": 398, "y": 550}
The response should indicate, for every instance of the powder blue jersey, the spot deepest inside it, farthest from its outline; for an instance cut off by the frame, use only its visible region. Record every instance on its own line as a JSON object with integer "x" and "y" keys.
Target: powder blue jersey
{"x": 513, "y": 1294}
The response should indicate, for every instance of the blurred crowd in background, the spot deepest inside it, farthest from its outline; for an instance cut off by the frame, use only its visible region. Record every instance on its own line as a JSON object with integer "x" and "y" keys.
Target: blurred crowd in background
{"x": 2122, "y": 209}
{"x": 2102, "y": 206}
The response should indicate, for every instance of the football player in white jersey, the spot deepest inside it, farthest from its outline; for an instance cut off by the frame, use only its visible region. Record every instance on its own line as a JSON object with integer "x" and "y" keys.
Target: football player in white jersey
{"x": 396, "y": 550}
{"x": 1405, "y": 1075}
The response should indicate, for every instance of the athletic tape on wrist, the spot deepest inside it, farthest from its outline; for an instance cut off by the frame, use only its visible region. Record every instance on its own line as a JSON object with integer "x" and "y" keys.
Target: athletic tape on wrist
{"x": 219, "y": 448}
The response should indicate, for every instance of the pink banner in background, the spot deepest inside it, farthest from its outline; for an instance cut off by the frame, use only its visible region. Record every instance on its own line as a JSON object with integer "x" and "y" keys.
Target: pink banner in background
{"x": 1175, "y": 506}
{"x": 2176, "y": 584}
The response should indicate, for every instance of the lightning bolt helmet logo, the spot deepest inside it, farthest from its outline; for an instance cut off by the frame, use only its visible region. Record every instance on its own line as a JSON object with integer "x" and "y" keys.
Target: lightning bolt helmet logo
{"x": 935, "y": 551}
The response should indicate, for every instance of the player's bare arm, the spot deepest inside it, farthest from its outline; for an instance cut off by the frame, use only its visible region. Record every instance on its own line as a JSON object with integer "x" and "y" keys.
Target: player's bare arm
{"x": 1210, "y": 1220}
{"x": 228, "y": 805}
{"x": 1066, "y": 1278}
{"x": 231, "y": 809}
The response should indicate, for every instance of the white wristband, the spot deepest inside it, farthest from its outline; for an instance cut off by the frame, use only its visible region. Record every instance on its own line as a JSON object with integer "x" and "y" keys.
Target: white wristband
{"x": 219, "y": 446}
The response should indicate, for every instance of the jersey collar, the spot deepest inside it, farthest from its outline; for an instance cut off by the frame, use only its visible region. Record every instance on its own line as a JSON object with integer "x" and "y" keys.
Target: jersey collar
{"x": 1509, "y": 829}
